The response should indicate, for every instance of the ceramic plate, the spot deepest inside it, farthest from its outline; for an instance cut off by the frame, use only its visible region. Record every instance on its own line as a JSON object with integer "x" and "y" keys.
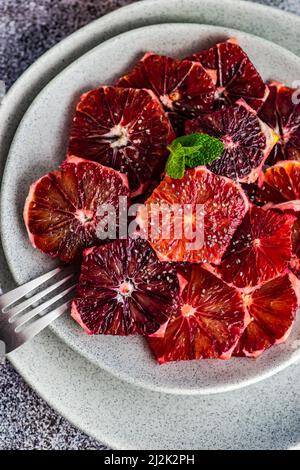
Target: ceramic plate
{"x": 39, "y": 146}
{"x": 262, "y": 416}
{"x": 267, "y": 423}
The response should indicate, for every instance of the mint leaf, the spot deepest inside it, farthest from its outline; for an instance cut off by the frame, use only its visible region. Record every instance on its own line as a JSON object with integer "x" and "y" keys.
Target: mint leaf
{"x": 209, "y": 150}
{"x": 176, "y": 162}
{"x": 191, "y": 151}
{"x": 191, "y": 143}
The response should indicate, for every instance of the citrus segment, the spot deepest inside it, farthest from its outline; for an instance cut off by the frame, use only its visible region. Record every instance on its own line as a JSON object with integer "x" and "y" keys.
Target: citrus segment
{"x": 281, "y": 111}
{"x": 250, "y": 190}
{"x": 236, "y": 75}
{"x": 280, "y": 188}
{"x": 182, "y": 86}
{"x": 247, "y": 140}
{"x": 280, "y": 183}
{"x": 260, "y": 249}
{"x": 124, "y": 289}
{"x": 61, "y": 208}
{"x": 124, "y": 129}
{"x": 272, "y": 308}
{"x": 207, "y": 324}
{"x": 193, "y": 219}
{"x": 295, "y": 259}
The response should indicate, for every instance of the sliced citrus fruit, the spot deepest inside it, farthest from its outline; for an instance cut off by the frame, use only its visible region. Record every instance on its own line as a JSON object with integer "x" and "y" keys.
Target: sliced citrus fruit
{"x": 247, "y": 140}
{"x": 250, "y": 190}
{"x": 272, "y": 308}
{"x": 61, "y": 210}
{"x": 124, "y": 289}
{"x": 236, "y": 75}
{"x": 182, "y": 86}
{"x": 295, "y": 259}
{"x": 207, "y": 324}
{"x": 140, "y": 199}
{"x": 260, "y": 249}
{"x": 124, "y": 129}
{"x": 280, "y": 189}
{"x": 281, "y": 112}
{"x": 193, "y": 219}
{"x": 178, "y": 122}
{"x": 280, "y": 184}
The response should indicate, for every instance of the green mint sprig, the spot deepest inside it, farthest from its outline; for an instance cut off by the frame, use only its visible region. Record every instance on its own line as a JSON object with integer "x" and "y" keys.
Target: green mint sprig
{"x": 175, "y": 166}
{"x": 191, "y": 151}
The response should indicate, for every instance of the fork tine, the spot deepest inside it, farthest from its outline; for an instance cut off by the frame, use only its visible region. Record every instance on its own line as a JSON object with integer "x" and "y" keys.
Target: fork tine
{"x": 16, "y": 294}
{"x": 32, "y": 330}
{"x": 21, "y": 320}
{"x": 28, "y": 302}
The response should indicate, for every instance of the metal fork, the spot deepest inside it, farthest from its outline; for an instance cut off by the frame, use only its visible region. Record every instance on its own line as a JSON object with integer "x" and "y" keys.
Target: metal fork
{"x": 17, "y": 327}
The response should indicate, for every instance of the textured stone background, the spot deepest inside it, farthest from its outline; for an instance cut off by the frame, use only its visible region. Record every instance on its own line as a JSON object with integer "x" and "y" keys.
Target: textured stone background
{"x": 27, "y": 29}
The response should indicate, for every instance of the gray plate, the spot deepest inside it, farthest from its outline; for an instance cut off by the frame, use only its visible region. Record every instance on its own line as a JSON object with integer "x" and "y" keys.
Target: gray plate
{"x": 39, "y": 146}
{"x": 269, "y": 23}
{"x": 84, "y": 394}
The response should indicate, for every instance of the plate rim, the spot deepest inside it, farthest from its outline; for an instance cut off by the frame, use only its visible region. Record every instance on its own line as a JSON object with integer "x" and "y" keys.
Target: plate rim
{"x": 17, "y": 361}
{"x": 89, "y": 356}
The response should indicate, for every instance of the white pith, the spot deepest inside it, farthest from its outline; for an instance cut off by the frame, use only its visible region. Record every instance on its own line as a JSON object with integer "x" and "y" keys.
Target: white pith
{"x": 84, "y": 215}
{"x": 220, "y": 92}
{"x": 119, "y": 136}
{"x": 187, "y": 310}
{"x": 125, "y": 289}
{"x": 167, "y": 101}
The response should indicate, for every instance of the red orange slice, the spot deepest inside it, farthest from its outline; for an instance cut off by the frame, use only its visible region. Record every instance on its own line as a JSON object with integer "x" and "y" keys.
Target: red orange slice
{"x": 281, "y": 111}
{"x": 260, "y": 249}
{"x": 193, "y": 219}
{"x": 247, "y": 140}
{"x": 236, "y": 75}
{"x": 272, "y": 308}
{"x": 124, "y": 289}
{"x": 124, "y": 129}
{"x": 182, "y": 86}
{"x": 208, "y": 323}
{"x": 61, "y": 210}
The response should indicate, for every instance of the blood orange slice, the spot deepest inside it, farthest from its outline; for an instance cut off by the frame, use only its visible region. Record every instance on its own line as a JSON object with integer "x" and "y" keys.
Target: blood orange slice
{"x": 272, "y": 308}
{"x": 280, "y": 184}
{"x": 124, "y": 129}
{"x": 236, "y": 75}
{"x": 247, "y": 140}
{"x": 251, "y": 191}
{"x": 260, "y": 249}
{"x": 281, "y": 111}
{"x": 61, "y": 208}
{"x": 202, "y": 210}
{"x": 178, "y": 122}
{"x": 124, "y": 289}
{"x": 295, "y": 259}
{"x": 182, "y": 86}
{"x": 208, "y": 323}
{"x": 280, "y": 188}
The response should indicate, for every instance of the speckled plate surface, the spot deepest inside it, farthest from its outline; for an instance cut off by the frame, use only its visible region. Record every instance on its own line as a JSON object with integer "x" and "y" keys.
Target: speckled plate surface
{"x": 39, "y": 146}
{"x": 263, "y": 416}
